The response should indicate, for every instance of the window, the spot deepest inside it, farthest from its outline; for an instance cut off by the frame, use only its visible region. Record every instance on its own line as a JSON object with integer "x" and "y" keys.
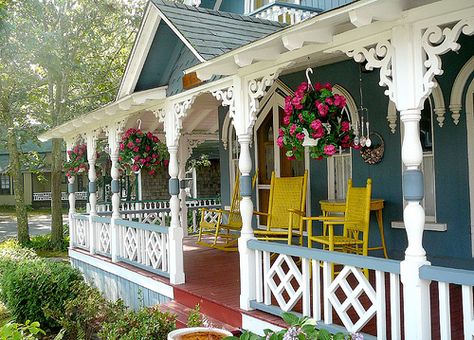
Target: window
{"x": 5, "y": 185}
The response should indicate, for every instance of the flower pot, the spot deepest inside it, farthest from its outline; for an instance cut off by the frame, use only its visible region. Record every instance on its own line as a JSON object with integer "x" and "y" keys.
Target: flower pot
{"x": 198, "y": 333}
{"x": 308, "y": 141}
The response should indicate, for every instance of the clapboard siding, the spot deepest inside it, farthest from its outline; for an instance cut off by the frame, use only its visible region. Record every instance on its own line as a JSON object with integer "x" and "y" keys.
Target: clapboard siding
{"x": 115, "y": 287}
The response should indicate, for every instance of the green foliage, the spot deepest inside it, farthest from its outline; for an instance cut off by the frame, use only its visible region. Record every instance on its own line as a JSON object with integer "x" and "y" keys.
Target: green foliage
{"x": 299, "y": 329}
{"x": 147, "y": 323}
{"x": 19, "y": 331}
{"x": 195, "y": 317}
{"x": 38, "y": 290}
{"x": 83, "y": 316}
{"x": 43, "y": 242}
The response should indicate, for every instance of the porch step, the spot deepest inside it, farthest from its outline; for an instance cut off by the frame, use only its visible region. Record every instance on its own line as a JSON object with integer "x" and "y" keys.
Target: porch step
{"x": 182, "y": 313}
{"x": 213, "y": 309}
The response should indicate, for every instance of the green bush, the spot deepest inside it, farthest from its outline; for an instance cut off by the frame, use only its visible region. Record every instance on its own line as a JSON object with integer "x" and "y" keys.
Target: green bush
{"x": 43, "y": 242}
{"x": 19, "y": 331}
{"x": 84, "y": 315}
{"x": 147, "y": 323}
{"x": 11, "y": 254}
{"x": 38, "y": 289}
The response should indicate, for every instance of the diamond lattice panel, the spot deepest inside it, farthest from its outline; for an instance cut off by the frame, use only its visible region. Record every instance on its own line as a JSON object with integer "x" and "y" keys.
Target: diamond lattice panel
{"x": 105, "y": 237}
{"x": 285, "y": 270}
{"x": 81, "y": 232}
{"x": 352, "y": 298}
{"x": 131, "y": 243}
{"x": 153, "y": 249}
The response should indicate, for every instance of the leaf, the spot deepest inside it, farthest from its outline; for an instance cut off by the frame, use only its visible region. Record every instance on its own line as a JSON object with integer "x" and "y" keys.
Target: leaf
{"x": 290, "y": 318}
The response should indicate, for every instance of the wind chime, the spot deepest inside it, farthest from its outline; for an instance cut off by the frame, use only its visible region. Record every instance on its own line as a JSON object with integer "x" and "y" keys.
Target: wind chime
{"x": 363, "y": 139}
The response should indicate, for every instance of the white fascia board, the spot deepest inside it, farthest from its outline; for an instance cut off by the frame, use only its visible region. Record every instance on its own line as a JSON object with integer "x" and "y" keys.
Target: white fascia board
{"x": 145, "y": 36}
{"x": 178, "y": 33}
{"x": 111, "y": 112}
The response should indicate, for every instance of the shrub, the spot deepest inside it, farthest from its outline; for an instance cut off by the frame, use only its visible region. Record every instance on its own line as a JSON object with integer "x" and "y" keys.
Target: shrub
{"x": 83, "y": 316}
{"x": 11, "y": 254}
{"x": 28, "y": 330}
{"x": 38, "y": 290}
{"x": 147, "y": 323}
{"x": 43, "y": 242}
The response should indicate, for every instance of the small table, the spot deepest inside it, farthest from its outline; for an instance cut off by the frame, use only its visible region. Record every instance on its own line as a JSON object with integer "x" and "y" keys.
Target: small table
{"x": 376, "y": 205}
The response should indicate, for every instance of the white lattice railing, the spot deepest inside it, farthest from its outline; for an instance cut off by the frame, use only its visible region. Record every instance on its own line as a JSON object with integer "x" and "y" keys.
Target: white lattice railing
{"x": 102, "y": 235}
{"x": 80, "y": 231}
{"x": 290, "y": 278}
{"x": 46, "y": 196}
{"x": 448, "y": 281}
{"x": 285, "y": 12}
{"x": 143, "y": 245}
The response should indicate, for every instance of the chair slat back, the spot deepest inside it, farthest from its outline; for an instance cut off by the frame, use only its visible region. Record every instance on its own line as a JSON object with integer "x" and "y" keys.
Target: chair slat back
{"x": 286, "y": 193}
{"x": 358, "y": 208}
{"x": 235, "y": 219}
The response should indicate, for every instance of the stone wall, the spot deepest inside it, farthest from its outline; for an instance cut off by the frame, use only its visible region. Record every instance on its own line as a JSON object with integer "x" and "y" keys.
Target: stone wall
{"x": 155, "y": 187}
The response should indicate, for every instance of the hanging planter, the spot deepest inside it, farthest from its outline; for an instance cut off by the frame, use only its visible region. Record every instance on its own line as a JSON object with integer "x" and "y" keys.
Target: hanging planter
{"x": 77, "y": 161}
{"x": 140, "y": 151}
{"x": 314, "y": 118}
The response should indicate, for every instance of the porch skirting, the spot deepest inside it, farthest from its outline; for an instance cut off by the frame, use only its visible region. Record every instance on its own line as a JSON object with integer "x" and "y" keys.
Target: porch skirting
{"x": 117, "y": 282}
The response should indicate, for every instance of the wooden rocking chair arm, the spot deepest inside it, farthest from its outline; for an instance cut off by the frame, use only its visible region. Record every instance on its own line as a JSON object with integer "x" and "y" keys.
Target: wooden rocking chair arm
{"x": 297, "y": 212}
{"x": 342, "y": 222}
{"x": 324, "y": 218}
{"x": 261, "y": 213}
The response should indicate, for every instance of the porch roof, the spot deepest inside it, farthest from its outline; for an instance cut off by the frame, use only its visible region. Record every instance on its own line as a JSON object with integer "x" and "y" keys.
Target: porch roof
{"x": 213, "y": 33}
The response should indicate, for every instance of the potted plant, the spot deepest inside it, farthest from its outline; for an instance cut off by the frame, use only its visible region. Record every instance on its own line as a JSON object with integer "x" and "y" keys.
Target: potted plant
{"x": 77, "y": 162}
{"x": 314, "y": 117}
{"x": 142, "y": 151}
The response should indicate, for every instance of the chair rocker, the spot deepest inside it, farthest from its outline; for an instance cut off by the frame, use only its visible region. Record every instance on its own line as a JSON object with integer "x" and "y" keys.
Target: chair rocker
{"x": 286, "y": 207}
{"x": 355, "y": 222}
{"x": 223, "y": 226}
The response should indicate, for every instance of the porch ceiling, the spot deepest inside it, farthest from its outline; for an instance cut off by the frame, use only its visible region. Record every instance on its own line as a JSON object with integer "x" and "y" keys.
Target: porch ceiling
{"x": 202, "y": 116}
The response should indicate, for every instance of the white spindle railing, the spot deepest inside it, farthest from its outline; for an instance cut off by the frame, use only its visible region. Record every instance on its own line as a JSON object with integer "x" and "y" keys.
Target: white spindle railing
{"x": 285, "y": 13}
{"x": 445, "y": 278}
{"x": 295, "y": 276}
{"x": 46, "y": 196}
{"x": 80, "y": 230}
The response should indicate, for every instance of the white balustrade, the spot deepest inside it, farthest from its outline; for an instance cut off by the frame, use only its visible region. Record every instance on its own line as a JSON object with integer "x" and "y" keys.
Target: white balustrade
{"x": 294, "y": 276}
{"x": 46, "y": 196}
{"x": 285, "y": 14}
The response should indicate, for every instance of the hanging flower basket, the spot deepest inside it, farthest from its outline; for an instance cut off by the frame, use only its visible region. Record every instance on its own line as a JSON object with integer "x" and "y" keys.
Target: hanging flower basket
{"x": 314, "y": 118}
{"x": 140, "y": 151}
{"x": 77, "y": 161}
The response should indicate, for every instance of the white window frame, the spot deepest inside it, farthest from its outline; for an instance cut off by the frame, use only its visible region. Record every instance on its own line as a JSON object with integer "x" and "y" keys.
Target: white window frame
{"x": 3, "y": 180}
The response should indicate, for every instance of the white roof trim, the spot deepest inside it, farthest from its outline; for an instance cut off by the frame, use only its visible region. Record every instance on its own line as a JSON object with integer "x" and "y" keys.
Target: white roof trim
{"x": 103, "y": 116}
{"x": 180, "y": 36}
{"x": 145, "y": 36}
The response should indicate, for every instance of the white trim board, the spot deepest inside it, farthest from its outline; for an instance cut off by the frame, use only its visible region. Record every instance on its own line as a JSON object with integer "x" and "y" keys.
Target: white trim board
{"x": 256, "y": 325}
{"x": 429, "y": 226}
{"x": 145, "y": 282}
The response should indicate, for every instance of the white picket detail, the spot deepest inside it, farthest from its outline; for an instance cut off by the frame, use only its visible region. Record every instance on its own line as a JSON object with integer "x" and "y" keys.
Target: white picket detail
{"x": 468, "y": 312}
{"x": 103, "y": 237}
{"x": 81, "y": 231}
{"x": 285, "y": 14}
{"x": 395, "y": 307}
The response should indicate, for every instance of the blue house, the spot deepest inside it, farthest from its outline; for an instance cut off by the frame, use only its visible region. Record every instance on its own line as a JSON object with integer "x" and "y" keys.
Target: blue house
{"x": 220, "y": 71}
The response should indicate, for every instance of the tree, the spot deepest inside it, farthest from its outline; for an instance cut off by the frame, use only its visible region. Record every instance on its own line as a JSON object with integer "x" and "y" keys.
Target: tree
{"x": 80, "y": 51}
{"x": 17, "y": 83}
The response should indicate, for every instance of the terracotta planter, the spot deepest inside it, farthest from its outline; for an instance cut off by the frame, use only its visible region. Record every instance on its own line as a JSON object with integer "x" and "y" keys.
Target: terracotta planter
{"x": 198, "y": 333}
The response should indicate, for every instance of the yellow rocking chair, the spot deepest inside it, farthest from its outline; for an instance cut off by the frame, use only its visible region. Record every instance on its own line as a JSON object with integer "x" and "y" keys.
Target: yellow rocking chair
{"x": 223, "y": 226}
{"x": 286, "y": 207}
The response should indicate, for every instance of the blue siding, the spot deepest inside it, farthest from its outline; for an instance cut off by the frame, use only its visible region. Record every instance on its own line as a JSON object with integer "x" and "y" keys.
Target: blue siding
{"x": 233, "y": 6}
{"x": 115, "y": 287}
{"x": 185, "y": 60}
{"x": 325, "y": 5}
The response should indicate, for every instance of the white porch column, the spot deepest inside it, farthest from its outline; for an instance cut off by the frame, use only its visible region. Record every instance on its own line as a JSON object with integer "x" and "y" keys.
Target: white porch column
{"x": 113, "y": 133}
{"x": 184, "y": 155}
{"x": 91, "y": 159}
{"x": 243, "y": 101}
{"x": 71, "y": 198}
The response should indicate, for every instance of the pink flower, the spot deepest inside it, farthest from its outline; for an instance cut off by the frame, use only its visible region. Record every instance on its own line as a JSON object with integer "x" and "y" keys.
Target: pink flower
{"x": 323, "y": 110}
{"x": 136, "y": 158}
{"x": 329, "y": 101}
{"x": 300, "y": 136}
{"x": 345, "y": 126}
{"x": 329, "y": 150}
{"x": 293, "y": 128}
{"x": 147, "y": 148}
{"x": 318, "y": 87}
{"x": 76, "y": 149}
{"x": 281, "y": 133}
{"x": 130, "y": 145}
{"x": 69, "y": 152}
{"x": 149, "y": 135}
{"x": 356, "y": 147}
{"x": 280, "y": 141}
{"x": 151, "y": 172}
{"x": 291, "y": 158}
{"x": 315, "y": 124}
{"x": 120, "y": 158}
{"x": 122, "y": 146}
{"x": 328, "y": 86}
{"x": 155, "y": 139}
{"x": 318, "y": 133}
{"x": 300, "y": 116}
{"x": 296, "y": 101}
{"x": 135, "y": 149}
{"x": 137, "y": 140}
{"x": 166, "y": 162}
{"x": 288, "y": 106}
{"x": 135, "y": 167}
{"x": 286, "y": 120}
{"x": 143, "y": 161}
{"x": 339, "y": 101}
{"x": 302, "y": 87}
